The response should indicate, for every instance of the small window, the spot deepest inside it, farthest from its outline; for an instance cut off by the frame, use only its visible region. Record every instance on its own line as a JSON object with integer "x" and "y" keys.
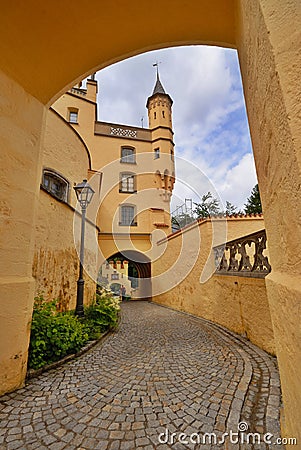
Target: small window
{"x": 127, "y": 215}
{"x": 172, "y": 155}
{"x": 55, "y": 184}
{"x": 163, "y": 114}
{"x": 155, "y": 115}
{"x": 128, "y": 155}
{"x": 73, "y": 116}
{"x": 127, "y": 182}
{"x": 157, "y": 153}
{"x": 115, "y": 276}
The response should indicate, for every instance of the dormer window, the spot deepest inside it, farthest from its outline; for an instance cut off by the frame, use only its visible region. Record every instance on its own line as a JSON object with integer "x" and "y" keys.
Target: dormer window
{"x": 55, "y": 184}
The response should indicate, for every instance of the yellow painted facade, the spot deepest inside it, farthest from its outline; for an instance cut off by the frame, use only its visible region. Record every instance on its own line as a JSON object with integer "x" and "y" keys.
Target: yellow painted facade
{"x": 56, "y": 261}
{"x": 142, "y": 180}
{"x": 235, "y": 302}
{"x": 37, "y": 67}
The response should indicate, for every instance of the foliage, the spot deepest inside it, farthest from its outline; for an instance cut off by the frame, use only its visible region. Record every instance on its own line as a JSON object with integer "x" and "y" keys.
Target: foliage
{"x": 209, "y": 206}
{"x": 230, "y": 209}
{"x": 102, "y": 314}
{"x": 253, "y": 205}
{"x": 55, "y": 335}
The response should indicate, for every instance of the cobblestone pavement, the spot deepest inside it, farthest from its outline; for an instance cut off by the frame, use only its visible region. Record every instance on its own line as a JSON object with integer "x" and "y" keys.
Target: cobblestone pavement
{"x": 161, "y": 370}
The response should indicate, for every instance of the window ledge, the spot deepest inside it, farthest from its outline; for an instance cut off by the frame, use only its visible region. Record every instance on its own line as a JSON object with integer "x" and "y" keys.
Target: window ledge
{"x": 134, "y": 224}
{"x": 127, "y": 192}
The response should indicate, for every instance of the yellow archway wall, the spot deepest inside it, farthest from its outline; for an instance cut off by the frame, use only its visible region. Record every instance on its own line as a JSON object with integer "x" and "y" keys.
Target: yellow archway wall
{"x": 46, "y": 47}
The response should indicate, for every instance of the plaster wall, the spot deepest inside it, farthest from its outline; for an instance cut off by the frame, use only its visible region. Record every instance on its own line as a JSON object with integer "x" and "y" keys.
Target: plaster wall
{"x": 269, "y": 36}
{"x": 21, "y": 130}
{"x": 86, "y": 114}
{"x": 238, "y": 303}
{"x": 56, "y": 261}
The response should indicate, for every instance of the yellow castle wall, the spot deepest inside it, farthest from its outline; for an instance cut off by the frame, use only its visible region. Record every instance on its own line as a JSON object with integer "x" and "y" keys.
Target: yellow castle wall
{"x": 237, "y": 303}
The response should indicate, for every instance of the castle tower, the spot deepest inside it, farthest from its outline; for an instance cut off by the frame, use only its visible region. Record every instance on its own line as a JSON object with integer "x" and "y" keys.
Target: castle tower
{"x": 159, "y": 106}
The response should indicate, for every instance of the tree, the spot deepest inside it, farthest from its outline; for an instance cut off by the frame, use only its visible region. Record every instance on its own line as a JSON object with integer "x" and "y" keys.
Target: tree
{"x": 253, "y": 205}
{"x": 230, "y": 209}
{"x": 209, "y": 206}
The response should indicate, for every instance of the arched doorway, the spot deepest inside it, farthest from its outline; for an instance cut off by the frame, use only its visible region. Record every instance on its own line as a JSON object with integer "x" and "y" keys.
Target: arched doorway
{"x": 131, "y": 269}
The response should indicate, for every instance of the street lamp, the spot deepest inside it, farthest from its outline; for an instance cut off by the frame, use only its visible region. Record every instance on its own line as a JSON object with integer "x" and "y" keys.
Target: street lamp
{"x": 84, "y": 194}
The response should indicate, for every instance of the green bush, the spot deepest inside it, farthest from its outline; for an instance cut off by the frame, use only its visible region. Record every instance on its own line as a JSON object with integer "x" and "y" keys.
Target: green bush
{"x": 53, "y": 335}
{"x": 102, "y": 314}
{"x": 57, "y": 334}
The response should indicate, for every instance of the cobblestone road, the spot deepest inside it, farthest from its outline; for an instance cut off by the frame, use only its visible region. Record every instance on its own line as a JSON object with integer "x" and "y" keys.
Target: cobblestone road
{"x": 161, "y": 370}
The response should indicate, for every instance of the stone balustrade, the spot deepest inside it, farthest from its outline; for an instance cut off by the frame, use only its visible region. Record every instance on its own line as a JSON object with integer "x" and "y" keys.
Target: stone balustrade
{"x": 246, "y": 256}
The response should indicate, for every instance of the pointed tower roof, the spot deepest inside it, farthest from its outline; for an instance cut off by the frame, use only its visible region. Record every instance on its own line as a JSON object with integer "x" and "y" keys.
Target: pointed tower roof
{"x": 158, "y": 89}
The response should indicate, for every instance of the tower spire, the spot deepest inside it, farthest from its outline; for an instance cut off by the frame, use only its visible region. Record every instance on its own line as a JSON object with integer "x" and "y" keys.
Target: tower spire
{"x": 158, "y": 89}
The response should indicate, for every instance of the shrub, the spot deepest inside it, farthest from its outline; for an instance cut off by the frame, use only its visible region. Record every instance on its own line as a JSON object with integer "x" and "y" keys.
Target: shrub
{"x": 102, "y": 314}
{"x": 53, "y": 335}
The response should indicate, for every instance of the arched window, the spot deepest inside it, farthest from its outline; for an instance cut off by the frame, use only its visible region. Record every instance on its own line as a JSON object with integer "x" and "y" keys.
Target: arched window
{"x": 128, "y": 155}
{"x": 127, "y": 182}
{"x": 55, "y": 184}
{"x": 127, "y": 215}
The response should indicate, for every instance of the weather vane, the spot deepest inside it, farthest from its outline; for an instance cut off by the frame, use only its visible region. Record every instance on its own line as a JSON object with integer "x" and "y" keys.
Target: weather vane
{"x": 156, "y": 64}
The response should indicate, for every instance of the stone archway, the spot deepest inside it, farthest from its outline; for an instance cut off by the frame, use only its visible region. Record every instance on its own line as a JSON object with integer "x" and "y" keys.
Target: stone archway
{"x": 34, "y": 43}
{"x": 139, "y": 272}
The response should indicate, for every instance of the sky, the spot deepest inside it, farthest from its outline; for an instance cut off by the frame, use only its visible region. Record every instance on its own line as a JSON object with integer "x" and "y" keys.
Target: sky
{"x": 213, "y": 147}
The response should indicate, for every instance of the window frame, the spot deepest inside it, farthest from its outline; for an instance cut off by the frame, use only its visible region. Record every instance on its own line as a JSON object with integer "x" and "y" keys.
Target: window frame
{"x": 133, "y": 222}
{"x": 70, "y": 112}
{"x": 53, "y": 175}
{"x": 132, "y": 155}
{"x": 127, "y": 175}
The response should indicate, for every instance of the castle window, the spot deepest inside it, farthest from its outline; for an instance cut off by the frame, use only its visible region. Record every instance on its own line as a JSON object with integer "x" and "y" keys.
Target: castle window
{"x": 73, "y": 115}
{"x": 55, "y": 184}
{"x": 163, "y": 114}
{"x": 115, "y": 276}
{"x": 127, "y": 182}
{"x": 128, "y": 155}
{"x": 127, "y": 215}
{"x": 172, "y": 155}
{"x": 155, "y": 115}
{"x": 157, "y": 153}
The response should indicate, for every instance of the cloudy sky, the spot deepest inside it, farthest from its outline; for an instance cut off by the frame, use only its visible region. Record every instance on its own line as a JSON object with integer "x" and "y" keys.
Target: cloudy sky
{"x": 209, "y": 116}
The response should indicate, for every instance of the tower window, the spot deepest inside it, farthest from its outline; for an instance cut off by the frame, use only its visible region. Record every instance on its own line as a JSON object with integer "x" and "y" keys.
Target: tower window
{"x": 73, "y": 116}
{"x": 155, "y": 115}
{"x": 157, "y": 153}
{"x": 127, "y": 182}
{"x": 163, "y": 114}
{"x": 127, "y": 215}
{"x": 172, "y": 155}
{"x": 55, "y": 184}
{"x": 128, "y": 155}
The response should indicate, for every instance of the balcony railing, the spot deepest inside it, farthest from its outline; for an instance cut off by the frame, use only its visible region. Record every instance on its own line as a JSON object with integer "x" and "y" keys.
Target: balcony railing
{"x": 246, "y": 256}
{"x": 78, "y": 91}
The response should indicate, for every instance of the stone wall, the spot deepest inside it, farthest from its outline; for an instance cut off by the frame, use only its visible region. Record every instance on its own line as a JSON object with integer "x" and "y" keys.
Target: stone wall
{"x": 237, "y": 303}
{"x": 56, "y": 261}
